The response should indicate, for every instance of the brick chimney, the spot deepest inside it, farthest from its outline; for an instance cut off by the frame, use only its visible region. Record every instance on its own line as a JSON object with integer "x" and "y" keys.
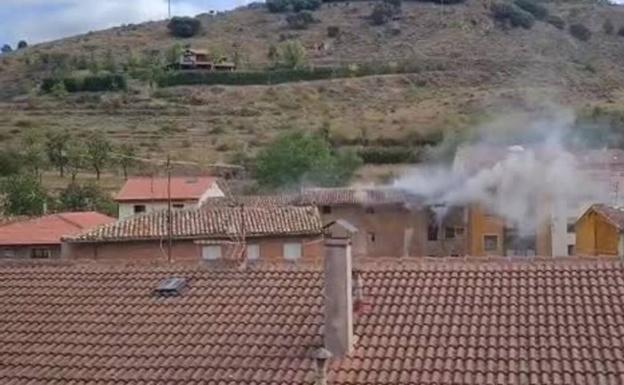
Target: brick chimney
{"x": 338, "y": 328}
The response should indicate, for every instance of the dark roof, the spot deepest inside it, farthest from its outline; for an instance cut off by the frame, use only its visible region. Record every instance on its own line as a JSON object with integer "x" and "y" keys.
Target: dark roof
{"x": 613, "y": 214}
{"x": 505, "y": 323}
{"x": 210, "y": 222}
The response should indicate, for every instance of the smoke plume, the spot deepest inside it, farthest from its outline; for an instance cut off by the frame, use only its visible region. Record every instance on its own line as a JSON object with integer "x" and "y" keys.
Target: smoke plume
{"x": 518, "y": 167}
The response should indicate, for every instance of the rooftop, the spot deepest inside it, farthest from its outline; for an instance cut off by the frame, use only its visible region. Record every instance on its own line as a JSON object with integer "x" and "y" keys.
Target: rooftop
{"x": 147, "y": 188}
{"x": 559, "y": 322}
{"x": 614, "y": 214}
{"x": 209, "y": 222}
{"x": 49, "y": 229}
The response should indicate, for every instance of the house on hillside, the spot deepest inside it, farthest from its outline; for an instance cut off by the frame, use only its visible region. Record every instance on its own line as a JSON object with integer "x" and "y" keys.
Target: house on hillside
{"x": 199, "y": 59}
{"x": 40, "y": 238}
{"x": 147, "y": 194}
{"x": 600, "y": 231}
{"x": 207, "y": 234}
{"x": 431, "y": 322}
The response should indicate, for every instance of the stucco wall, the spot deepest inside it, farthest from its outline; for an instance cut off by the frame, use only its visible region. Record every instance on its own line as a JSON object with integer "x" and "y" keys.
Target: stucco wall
{"x": 188, "y": 251}
{"x": 126, "y": 209}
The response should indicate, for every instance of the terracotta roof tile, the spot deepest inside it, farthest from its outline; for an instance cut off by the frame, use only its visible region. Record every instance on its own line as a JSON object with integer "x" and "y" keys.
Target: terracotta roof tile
{"x": 49, "y": 229}
{"x": 88, "y": 325}
{"x": 182, "y": 188}
{"x": 210, "y": 222}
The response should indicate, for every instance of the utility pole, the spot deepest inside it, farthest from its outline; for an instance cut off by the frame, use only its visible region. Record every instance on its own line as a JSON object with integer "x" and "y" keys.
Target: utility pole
{"x": 169, "y": 213}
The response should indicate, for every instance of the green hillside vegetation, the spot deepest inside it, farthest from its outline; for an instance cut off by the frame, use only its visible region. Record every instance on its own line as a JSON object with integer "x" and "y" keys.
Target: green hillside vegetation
{"x": 387, "y": 87}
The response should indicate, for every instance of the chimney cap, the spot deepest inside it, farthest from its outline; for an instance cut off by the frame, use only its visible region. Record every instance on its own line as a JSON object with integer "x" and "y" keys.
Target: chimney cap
{"x": 322, "y": 354}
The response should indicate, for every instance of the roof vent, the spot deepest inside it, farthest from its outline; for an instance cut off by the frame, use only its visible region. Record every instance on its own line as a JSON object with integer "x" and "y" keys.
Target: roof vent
{"x": 171, "y": 287}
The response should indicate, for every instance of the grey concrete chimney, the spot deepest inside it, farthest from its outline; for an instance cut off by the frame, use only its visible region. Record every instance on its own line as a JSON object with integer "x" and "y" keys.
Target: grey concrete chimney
{"x": 338, "y": 328}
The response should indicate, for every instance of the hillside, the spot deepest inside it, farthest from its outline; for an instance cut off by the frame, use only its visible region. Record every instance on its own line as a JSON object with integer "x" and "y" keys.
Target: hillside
{"x": 471, "y": 67}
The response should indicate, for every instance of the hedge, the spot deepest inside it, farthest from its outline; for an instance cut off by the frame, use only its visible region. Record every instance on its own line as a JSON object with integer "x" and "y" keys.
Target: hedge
{"x": 93, "y": 83}
{"x": 179, "y": 78}
{"x": 388, "y": 155}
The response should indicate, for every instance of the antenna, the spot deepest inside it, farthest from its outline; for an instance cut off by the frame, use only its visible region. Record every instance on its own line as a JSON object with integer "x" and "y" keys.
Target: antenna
{"x": 169, "y": 3}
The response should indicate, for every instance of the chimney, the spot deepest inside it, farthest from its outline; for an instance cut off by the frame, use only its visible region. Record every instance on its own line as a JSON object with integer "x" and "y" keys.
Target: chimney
{"x": 338, "y": 328}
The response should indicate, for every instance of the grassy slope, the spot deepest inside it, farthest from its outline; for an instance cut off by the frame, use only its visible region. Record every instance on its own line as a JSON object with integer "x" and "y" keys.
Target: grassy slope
{"x": 480, "y": 68}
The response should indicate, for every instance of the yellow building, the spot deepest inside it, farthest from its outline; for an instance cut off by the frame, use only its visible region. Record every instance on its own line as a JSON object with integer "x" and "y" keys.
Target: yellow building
{"x": 600, "y": 231}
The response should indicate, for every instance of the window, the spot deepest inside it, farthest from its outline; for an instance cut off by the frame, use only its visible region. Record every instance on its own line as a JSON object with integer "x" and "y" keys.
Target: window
{"x": 292, "y": 251}
{"x": 211, "y": 253}
{"x": 459, "y": 231}
{"x": 8, "y": 253}
{"x": 490, "y": 242}
{"x": 570, "y": 249}
{"x": 326, "y": 209}
{"x": 253, "y": 252}
{"x": 371, "y": 237}
{"x": 139, "y": 209}
{"x": 432, "y": 232}
{"x": 178, "y": 206}
{"x": 449, "y": 233}
{"x": 40, "y": 253}
{"x": 571, "y": 228}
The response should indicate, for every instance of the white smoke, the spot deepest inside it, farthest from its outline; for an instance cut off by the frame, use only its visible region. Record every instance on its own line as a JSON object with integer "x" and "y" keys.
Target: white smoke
{"x": 517, "y": 169}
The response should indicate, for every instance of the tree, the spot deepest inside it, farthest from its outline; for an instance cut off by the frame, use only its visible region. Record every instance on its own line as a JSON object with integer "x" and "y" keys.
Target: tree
{"x": 22, "y": 44}
{"x": 33, "y": 151}
{"x": 184, "y": 27}
{"x": 173, "y": 53}
{"x": 292, "y": 54}
{"x": 126, "y": 159}
{"x": 24, "y": 195}
{"x": 97, "y": 152}
{"x": 300, "y": 20}
{"x": 382, "y": 13}
{"x": 608, "y": 27}
{"x": 305, "y": 5}
{"x": 277, "y": 6}
{"x": 10, "y": 162}
{"x": 580, "y": 32}
{"x": 76, "y": 157}
{"x": 296, "y": 157}
{"x": 110, "y": 63}
{"x": 87, "y": 197}
{"x": 6, "y": 49}
{"x": 56, "y": 149}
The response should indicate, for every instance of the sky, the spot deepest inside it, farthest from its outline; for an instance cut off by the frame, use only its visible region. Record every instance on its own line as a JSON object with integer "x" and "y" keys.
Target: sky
{"x": 38, "y": 21}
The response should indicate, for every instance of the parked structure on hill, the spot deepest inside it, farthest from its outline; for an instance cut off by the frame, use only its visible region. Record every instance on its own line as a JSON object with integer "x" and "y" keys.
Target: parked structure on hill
{"x": 148, "y": 194}
{"x": 196, "y": 59}
{"x": 555, "y": 322}
{"x": 207, "y": 234}
{"x": 40, "y": 238}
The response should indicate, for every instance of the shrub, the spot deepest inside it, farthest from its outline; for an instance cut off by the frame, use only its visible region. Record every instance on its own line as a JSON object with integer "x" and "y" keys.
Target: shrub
{"x": 292, "y": 54}
{"x": 534, "y": 8}
{"x": 556, "y": 21}
{"x": 621, "y": 31}
{"x": 394, "y": 3}
{"x": 504, "y": 12}
{"x": 300, "y": 20}
{"x": 10, "y": 162}
{"x": 608, "y": 27}
{"x": 580, "y": 32}
{"x": 382, "y": 13}
{"x": 6, "y": 49}
{"x": 92, "y": 83}
{"x": 387, "y": 155}
{"x": 333, "y": 31}
{"x": 305, "y": 5}
{"x": 277, "y": 6}
{"x": 22, "y": 44}
{"x": 184, "y": 26}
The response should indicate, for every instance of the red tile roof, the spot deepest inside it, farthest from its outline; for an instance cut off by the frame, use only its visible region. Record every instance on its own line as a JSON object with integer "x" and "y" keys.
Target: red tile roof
{"x": 504, "y": 323}
{"x": 49, "y": 229}
{"x": 147, "y": 189}
{"x": 210, "y": 222}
